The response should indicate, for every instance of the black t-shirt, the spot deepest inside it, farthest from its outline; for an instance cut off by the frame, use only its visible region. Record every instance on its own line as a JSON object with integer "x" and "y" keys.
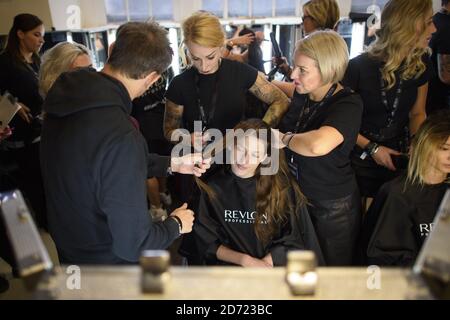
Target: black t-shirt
{"x": 330, "y": 176}
{"x": 21, "y": 80}
{"x": 363, "y": 76}
{"x": 235, "y": 79}
{"x": 229, "y": 220}
{"x": 399, "y": 220}
{"x": 439, "y": 92}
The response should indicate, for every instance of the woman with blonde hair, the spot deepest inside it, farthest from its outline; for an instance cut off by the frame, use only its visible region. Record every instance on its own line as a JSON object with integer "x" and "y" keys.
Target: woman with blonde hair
{"x": 61, "y": 58}
{"x": 320, "y": 15}
{"x": 402, "y": 214}
{"x": 317, "y": 15}
{"x": 213, "y": 89}
{"x": 322, "y": 124}
{"x": 212, "y": 93}
{"x": 392, "y": 79}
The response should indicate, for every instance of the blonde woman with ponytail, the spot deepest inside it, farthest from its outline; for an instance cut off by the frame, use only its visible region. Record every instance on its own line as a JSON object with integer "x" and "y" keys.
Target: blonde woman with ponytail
{"x": 392, "y": 79}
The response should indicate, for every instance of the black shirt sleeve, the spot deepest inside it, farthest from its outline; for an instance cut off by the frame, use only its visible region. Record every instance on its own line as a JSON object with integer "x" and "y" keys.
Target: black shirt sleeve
{"x": 427, "y": 74}
{"x": 351, "y": 77}
{"x": 392, "y": 241}
{"x": 157, "y": 165}
{"x": 174, "y": 92}
{"x": 345, "y": 116}
{"x": 247, "y": 75}
{"x": 125, "y": 208}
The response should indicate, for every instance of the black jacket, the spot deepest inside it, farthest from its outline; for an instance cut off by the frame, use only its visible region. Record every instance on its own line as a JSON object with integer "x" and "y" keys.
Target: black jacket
{"x": 229, "y": 220}
{"x": 399, "y": 220}
{"x": 21, "y": 80}
{"x": 95, "y": 164}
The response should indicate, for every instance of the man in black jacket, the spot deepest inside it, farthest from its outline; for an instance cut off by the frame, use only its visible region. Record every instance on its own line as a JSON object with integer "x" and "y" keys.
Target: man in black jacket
{"x": 95, "y": 161}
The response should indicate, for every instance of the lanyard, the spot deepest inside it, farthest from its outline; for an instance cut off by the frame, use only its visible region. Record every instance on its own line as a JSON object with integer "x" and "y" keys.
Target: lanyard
{"x": 206, "y": 118}
{"x": 302, "y": 121}
{"x": 391, "y": 109}
{"x": 306, "y": 115}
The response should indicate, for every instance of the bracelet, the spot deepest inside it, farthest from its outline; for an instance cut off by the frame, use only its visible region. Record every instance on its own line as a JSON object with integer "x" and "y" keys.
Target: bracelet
{"x": 180, "y": 224}
{"x": 290, "y": 135}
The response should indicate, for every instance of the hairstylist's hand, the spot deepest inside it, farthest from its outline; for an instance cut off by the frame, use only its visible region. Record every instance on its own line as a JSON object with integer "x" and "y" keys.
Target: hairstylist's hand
{"x": 199, "y": 139}
{"x": 24, "y": 113}
{"x": 383, "y": 157}
{"x": 192, "y": 163}
{"x": 186, "y": 216}
{"x": 245, "y": 39}
{"x": 282, "y": 65}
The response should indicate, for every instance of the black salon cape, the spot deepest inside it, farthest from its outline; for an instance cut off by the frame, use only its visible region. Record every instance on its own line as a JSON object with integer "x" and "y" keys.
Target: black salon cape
{"x": 401, "y": 219}
{"x": 235, "y": 197}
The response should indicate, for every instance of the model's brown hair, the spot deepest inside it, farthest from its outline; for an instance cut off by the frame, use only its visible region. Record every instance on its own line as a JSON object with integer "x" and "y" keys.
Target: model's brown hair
{"x": 277, "y": 195}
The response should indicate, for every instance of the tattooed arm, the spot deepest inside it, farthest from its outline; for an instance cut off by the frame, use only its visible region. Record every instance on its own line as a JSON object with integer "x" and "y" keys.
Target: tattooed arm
{"x": 274, "y": 97}
{"x": 444, "y": 68}
{"x": 172, "y": 118}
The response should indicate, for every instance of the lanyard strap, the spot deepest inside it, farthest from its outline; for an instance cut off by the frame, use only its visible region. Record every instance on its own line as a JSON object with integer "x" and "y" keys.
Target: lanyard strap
{"x": 391, "y": 109}
{"x": 302, "y": 121}
{"x": 207, "y": 118}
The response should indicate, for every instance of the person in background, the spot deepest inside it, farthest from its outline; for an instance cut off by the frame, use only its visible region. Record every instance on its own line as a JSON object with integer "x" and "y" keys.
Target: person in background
{"x": 19, "y": 65}
{"x": 63, "y": 57}
{"x": 247, "y": 217}
{"x": 317, "y": 15}
{"x": 392, "y": 79}
{"x": 320, "y": 129}
{"x": 439, "y": 92}
{"x": 402, "y": 214}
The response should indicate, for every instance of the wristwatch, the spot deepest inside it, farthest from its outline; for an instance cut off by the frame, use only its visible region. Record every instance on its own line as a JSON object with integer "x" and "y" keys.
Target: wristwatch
{"x": 372, "y": 148}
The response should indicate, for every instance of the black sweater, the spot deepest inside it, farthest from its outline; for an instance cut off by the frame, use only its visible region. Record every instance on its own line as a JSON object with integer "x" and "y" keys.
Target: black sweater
{"x": 229, "y": 220}
{"x": 95, "y": 164}
{"x": 20, "y": 79}
{"x": 401, "y": 220}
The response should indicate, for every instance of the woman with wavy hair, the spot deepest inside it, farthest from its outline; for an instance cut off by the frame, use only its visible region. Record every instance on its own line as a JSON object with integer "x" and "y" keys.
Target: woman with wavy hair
{"x": 392, "y": 79}
{"x": 403, "y": 212}
{"x": 247, "y": 217}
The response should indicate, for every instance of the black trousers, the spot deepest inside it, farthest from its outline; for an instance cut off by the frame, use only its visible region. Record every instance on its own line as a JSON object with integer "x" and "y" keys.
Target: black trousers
{"x": 337, "y": 223}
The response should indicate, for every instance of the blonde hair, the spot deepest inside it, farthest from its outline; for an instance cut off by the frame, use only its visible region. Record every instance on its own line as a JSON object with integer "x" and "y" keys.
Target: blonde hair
{"x": 433, "y": 133}
{"x": 204, "y": 29}
{"x": 398, "y": 36}
{"x": 56, "y": 61}
{"x": 329, "y": 51}
{"x": 325, "y": 12}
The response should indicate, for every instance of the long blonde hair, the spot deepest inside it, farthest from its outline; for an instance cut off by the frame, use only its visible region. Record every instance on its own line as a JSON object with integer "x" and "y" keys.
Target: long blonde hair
{"x": 433, "y": 133}
{"x": 397, "y": 39}
{"x": 58, "y": 60}
{"x": 204, "y": 29}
